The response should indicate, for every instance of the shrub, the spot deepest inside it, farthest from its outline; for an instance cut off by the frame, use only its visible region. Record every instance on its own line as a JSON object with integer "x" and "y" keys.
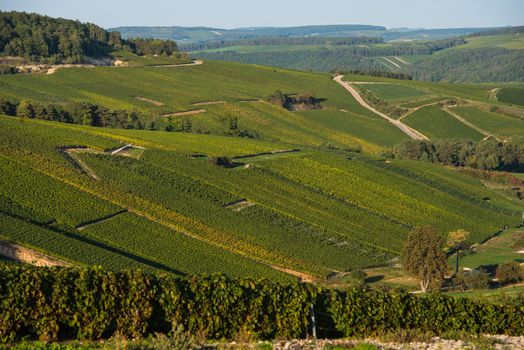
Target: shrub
{"x": 510, "y": 272}
{"x": 78, "y": 303}
{"x": 475, "y": 279}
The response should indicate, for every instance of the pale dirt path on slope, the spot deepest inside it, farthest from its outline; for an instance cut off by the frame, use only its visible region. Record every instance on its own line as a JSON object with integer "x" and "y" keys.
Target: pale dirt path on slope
{"x": 471, "y": 125}
{"x": 403, "y": 61}
{"x": 26, "y": 255}
{"x": 181, "y": 114}
{"x": 414, "y": 134}
{"x": 393, "y": 63}
{"x": 194, "y": 63}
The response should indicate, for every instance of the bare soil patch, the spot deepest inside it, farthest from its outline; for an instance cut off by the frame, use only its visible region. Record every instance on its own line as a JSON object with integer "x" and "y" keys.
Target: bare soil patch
{"x": 208, "y": 103}
{"x": 239, "y": 205}
{"x": 144, "y": 99}
{"x": 184, "y": 113}
{"x": 20, "y": 253}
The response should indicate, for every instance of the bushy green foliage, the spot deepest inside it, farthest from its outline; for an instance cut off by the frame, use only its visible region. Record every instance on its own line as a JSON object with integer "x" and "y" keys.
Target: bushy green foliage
{"x": 77, "y": 303}
{"x": 488, "y": 155}
{"x": 510, "y": 272}
{"x": 475, "y": 279}
{"x": 423, "y": 256}
{"x": 512, "y": 95}
{"x": 471, "y": 65}
{"x": 53, "y": 40}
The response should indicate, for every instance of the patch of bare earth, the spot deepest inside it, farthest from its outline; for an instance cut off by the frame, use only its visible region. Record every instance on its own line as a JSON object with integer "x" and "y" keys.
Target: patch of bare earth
{"x": 148, "y": 100}
{"x": 20, "y": 253}
{"x": 184, "y": 113}
{"x": 239, "y": 205}
{"x": 208, "y": 103}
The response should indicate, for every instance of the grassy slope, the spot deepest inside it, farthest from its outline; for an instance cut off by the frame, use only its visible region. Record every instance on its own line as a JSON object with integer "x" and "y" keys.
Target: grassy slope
{"x": 396, "y": 92}
{"x": 494, "y": 122}
{"x": 179, "y": 88}
{"x": 508, "y": 41}
{"x": 513, "y": 95}
{"x": 437, "y": 124}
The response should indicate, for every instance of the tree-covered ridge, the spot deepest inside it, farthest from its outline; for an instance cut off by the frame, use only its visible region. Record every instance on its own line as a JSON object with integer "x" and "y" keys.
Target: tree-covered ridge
{"x": 494, "y": 64}
{"x": 42, "y": 38}
{"x": 295, "y": 41}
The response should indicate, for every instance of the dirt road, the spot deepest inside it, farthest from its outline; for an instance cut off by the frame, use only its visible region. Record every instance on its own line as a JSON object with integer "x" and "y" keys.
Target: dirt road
{"x": 414, "y": 134}
{"x": 194, "y": 63}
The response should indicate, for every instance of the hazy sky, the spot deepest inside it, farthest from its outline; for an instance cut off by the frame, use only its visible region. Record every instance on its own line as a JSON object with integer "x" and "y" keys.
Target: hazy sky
{"x": 250, "y": 13}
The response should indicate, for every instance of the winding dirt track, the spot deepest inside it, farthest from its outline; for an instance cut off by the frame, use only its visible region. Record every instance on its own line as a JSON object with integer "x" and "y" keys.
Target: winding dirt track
{"x": 414, "y": 134}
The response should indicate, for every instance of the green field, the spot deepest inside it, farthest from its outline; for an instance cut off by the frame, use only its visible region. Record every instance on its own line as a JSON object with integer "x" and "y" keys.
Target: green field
{"x": 173, "y": 212}
{"x": 435, "y": 123}
{"x": 495, "y": 122}
{"x": 395, "y": 92}
{"x": 508, "y": 41}
{"x": 313, "y": 200}
{"x": 513, "y": 95}
{"x": 498, "y": 250}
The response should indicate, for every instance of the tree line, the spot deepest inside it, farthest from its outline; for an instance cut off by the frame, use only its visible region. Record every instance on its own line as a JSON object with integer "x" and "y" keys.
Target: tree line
{"x": 346, "y": 58}
{"x": 55, "y": 40}
{"x": 91, "y": 114}
{"x": 83, "y": 113}
{"x": 485, "y": 155}
{"x": 294, "y": 41}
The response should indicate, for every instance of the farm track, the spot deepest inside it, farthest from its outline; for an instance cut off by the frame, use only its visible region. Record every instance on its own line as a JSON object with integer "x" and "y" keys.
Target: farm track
{"x": 402, "y": 60}
{"x": 72, "y": 154}
{"x": 413, "y": 110}
{"x": 208, "y": 103}
{"x": 391, "y": 61}
{"x": 414, "y": 134}
{"x": 194, "y": 63}
{"x": 471, "y": 125}
{"x": 148, "y": 100}
{"x": 184, "y": 113}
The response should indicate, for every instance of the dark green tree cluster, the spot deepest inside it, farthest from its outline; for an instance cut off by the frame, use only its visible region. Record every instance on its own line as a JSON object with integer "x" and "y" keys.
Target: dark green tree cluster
{"x": 83, "y": 113}
{"x": 290, "y": 101}
{"x": 499, "y": 31}
{"x": 150, "y": 47}
{"x": 294, "y": 41}
{"x": 486, "y": 155}
{"x": 54, "y": 40}
{"x": 489, "y": 64}
{"x": 35, "y": 36}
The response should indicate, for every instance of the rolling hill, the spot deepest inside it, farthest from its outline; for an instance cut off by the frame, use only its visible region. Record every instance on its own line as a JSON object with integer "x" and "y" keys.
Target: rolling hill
{"x": 295, "y": 198}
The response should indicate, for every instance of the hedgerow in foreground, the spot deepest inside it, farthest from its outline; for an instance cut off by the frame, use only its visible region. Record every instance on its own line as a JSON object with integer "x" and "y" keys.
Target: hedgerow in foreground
{"x": 79, "y": 303}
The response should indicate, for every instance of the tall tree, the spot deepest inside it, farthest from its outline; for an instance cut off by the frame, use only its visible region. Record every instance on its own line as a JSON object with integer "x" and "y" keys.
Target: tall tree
{"x": 423, "y": 256}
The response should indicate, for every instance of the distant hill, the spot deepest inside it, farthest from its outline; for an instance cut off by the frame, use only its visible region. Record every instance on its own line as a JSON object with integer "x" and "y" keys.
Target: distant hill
{"x": 190, "y": 35}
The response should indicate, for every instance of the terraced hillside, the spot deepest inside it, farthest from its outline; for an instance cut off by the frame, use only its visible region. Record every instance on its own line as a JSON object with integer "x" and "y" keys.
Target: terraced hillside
{"x": 310, "y": 212}
{"x": 292, "y": 200}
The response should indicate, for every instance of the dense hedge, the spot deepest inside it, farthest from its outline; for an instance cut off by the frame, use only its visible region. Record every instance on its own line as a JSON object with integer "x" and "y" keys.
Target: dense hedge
{"x": 69, "y": 303}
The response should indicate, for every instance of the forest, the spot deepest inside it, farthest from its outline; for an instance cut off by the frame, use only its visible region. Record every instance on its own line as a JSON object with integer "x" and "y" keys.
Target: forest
{"x": 54, "y": 40}
{"x": 495, "y": 64}
{"x": 487, "y": 155}
{"x": 295, "y": 41}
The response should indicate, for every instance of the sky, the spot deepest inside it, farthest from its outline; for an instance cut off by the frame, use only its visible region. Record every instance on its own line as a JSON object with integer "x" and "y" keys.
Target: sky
{"x": 256, "y": 13}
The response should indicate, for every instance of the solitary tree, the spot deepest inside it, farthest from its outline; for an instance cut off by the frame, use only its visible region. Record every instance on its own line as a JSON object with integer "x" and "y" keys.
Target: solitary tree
{"x": 423, "y": 256}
